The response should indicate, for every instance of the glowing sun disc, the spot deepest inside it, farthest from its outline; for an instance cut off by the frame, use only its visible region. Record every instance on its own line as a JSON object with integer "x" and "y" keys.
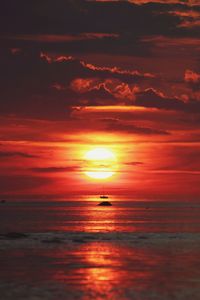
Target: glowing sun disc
{"x": 99, "y": 175}
{"x": 99, "y": 154}
{"x": 100, "y": 163}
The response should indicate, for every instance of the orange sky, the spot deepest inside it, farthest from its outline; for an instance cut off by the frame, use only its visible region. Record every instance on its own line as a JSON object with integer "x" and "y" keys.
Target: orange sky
{"x": 43, "y": 159}
{"x": 71, "y": 83}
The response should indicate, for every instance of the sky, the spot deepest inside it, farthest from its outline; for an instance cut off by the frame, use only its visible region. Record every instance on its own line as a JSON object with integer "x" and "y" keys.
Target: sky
{"x": 120, "y": 75}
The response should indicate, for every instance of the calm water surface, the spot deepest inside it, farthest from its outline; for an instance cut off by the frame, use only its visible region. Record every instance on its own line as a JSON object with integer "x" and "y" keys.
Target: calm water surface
{"x": 94, "y": 262}
{"x": 86, "y": 216}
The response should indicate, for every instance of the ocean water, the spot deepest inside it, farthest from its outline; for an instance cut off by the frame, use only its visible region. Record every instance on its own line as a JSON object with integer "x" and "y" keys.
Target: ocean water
{"x": 142, "y": 250}
{"x": 87, "y": 216}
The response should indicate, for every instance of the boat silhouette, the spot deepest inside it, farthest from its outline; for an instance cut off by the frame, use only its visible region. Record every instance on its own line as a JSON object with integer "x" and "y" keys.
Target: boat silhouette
{"x": 103, "y": 197}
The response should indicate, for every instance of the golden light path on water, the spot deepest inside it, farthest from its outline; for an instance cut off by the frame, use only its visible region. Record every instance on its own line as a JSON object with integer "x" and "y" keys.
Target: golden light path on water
{"x": 101, "y": 163}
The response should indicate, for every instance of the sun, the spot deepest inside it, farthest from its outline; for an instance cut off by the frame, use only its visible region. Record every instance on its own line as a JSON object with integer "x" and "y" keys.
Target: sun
{"x": 100, "y": 163}
{"x": 99, "y": 154}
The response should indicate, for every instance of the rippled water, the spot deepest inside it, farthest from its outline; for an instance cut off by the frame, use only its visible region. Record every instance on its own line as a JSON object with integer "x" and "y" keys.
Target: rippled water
{"x": 78, "y": 250}
{"x": 86, "y": 216}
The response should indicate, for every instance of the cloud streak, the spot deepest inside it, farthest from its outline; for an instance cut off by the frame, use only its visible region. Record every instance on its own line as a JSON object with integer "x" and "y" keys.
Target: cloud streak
{"x": 7, "y": 154}
{"x": 56, "y": 169}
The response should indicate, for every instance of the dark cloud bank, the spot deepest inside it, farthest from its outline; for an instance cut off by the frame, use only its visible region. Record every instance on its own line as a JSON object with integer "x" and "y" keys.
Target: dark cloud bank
{"x": 38, "y": 82}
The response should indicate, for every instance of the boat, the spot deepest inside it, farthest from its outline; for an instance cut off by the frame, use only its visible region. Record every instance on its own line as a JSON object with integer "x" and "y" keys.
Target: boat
{"x": 104, "y": 197}
{"x": 104, "y": 203}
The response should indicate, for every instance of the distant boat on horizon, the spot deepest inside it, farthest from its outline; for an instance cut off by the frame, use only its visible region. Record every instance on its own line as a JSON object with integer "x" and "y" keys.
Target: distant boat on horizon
{"x": 103, "y": 197}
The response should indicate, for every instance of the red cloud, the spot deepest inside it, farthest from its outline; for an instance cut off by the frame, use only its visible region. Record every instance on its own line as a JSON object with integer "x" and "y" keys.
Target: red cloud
{"x": 116, "y": 88}
{"x": 83, "y": 85}
{"x": 189, "y": 18}
{"x": 191, "y": 77}
{"x": 193, "y": 80}
{"x": 140, "y": 2}
{"x": 15, "y": 50}
{"x": 116, "y": 70}
{"x": 109, "y": 70}
{"x": 56, "y": 38}
{"x": 51, "y": 59}
{"x": 133, "y": 95}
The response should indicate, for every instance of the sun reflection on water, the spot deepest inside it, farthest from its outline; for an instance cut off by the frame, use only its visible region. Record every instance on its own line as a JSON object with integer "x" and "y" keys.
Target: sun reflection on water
{"x": 103, "y": 269}
{"x": 101, "y": 219}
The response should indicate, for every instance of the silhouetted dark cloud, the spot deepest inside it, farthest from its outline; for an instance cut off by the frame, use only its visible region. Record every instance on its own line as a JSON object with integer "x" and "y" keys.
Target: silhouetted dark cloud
{"x": 132, "y": 128}
{"x": 56, "y": 169}
{"x": 16, "y": 183}
{"x": 77, "y": 26}
{"x": 152, "y": 98}
{"x": 5, "y": 154}
{"x": 40, "y": 86}
{"x": 41, "y": 78}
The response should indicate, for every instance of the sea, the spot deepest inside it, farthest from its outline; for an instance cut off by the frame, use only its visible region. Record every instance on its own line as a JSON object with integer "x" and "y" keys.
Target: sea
{"x": 125, "y": 215}
{"x": 76, "y": 249}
